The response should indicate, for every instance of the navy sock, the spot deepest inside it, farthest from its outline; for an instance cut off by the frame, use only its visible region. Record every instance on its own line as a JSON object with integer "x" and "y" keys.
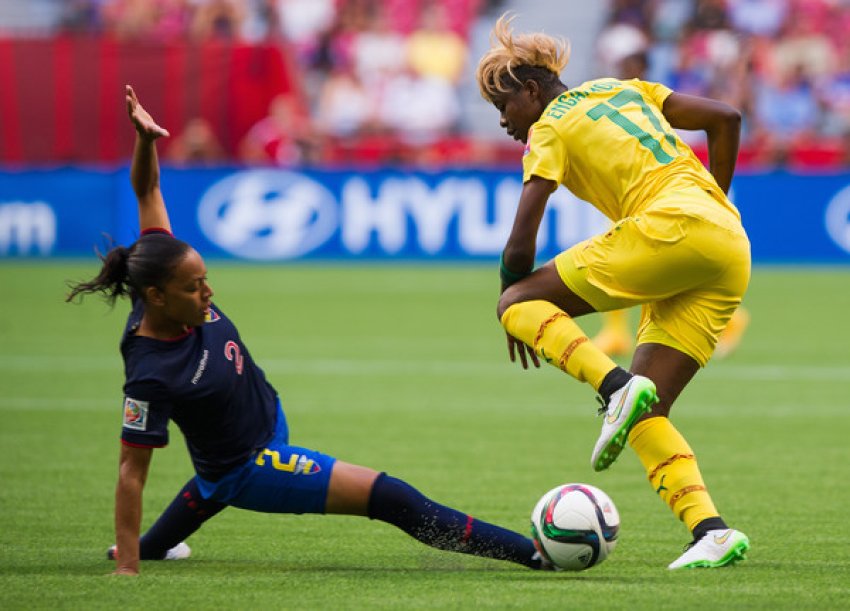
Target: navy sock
{"x": 186, "y": 513}
{"x": 397, "y": 503}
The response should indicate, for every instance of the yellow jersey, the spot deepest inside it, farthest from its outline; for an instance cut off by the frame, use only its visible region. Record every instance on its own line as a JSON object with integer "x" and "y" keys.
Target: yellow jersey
{"x": 608, "y": 142}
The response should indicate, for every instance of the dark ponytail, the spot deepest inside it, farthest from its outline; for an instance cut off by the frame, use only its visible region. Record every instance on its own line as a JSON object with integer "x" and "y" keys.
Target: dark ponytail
{"x": 150, "y": 261}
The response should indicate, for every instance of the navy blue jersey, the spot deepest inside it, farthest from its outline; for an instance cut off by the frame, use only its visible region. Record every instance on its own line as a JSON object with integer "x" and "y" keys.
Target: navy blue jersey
{"x": 207, "y": 383}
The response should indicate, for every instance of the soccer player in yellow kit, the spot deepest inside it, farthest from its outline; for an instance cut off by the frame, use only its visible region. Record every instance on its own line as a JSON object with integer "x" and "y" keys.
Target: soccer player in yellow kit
{"x": 615, "y": 335}
{"x": 677, "y": 247}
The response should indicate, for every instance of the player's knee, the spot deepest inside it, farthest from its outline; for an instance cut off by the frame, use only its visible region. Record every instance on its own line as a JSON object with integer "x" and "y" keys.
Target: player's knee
{"x": 510, "y": 297}
{"x": 395, "y": 501}
{"x": 194, "y": 501}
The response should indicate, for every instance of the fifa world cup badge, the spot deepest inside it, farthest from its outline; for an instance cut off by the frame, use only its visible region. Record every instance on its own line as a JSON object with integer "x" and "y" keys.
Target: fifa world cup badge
{"x": 135, "y": 414}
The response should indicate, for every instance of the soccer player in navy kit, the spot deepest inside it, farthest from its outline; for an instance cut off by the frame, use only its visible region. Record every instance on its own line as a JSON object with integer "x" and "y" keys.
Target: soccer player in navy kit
{"x": 184, "y": 361}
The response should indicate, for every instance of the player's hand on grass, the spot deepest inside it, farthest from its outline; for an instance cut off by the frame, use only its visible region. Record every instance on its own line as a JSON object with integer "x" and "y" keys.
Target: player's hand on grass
{"x": 515, "y": 346}
{"x": 124, "y": 568}
{"x": 145, "y": 126}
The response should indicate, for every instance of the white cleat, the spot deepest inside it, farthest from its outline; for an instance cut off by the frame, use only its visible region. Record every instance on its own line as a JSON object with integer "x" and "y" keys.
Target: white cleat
{"x": 181, "y": 551}
{"x": 623, "y": 410}
{"x": 545, "y": 563}
{"x": 723, "y": 547}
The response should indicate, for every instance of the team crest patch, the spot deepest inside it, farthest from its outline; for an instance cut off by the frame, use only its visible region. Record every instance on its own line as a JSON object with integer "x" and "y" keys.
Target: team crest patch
{"x": 307, "y": 466}
{"x": 212, "y": 316}
{"x": 135, "y": 414}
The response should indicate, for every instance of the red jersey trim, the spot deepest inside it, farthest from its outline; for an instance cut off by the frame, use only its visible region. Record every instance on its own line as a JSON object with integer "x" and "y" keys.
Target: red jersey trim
{"x": 141, "y": 445}
{"x": 183, "y": 335}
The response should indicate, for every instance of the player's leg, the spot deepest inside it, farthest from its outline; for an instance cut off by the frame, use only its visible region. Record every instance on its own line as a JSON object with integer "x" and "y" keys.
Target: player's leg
{"x": 291, "y": 479}
{"x": 539, "y": 311}
{"x": 668, "y": 459}
{"x": 676, "y": 337}
{"x": 356, "y": 490}
{"x": 732, "y": 335}
{"x": 671, "y": 464}
{"x": 615, "y": 337}
{"x": 165, "y": 540}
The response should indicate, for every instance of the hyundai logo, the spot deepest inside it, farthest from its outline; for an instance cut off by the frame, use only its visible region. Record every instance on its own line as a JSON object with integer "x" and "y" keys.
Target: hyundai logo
{"x": 837, "y": 219}
{"x": 267, "y": 214}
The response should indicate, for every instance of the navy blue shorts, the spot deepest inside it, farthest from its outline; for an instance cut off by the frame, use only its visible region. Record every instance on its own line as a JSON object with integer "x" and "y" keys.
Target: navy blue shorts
{"x": 279, "y": 479}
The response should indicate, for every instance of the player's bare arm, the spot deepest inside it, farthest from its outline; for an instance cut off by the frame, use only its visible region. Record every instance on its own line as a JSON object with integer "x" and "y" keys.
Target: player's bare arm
{"x": 132, "y": 474}
{"x": 722, "y": 124}
{"x": 518, "y": 256}
{"x": 522, "y": 244}
{"x": 144, "y": 172}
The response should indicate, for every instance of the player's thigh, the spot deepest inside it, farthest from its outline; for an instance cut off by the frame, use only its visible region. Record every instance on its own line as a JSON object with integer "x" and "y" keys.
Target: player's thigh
{"x": 620, "y": 268}
{"x": 577, "y": 280}
{"x": 283, "y": 479}
{"x": 631, "y": 264}
{"x": 350, "y": 489}
{"x": 545, "y": 284}
{"x": 656, "y": 255}
{"x": 692, "y": 321}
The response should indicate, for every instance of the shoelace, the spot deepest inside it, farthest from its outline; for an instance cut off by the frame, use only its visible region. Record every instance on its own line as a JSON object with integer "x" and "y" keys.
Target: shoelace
{"x": 603, "y": 406}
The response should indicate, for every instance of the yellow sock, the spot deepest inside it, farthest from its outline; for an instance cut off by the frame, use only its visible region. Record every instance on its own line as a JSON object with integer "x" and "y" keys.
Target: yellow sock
{"x": 557, "y": 339}
{"x": 672, "y": 469}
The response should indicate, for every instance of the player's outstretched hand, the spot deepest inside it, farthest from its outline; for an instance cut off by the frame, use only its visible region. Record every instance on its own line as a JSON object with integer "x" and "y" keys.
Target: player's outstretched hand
{"x": 515, "y": 346}
{"x": 145, "y": 126}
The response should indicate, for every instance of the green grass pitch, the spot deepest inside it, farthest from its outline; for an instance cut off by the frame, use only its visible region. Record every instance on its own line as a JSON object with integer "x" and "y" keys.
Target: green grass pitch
{"x": 403, "y": 368}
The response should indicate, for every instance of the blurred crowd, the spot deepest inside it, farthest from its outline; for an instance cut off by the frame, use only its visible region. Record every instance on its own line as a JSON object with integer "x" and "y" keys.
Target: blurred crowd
{"x": 379, "y": 80}
{"x": 784, "y": 63}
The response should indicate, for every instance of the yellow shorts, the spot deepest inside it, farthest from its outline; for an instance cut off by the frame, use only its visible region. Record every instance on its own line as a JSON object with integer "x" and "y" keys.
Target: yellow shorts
{"x": 684, "y": 258}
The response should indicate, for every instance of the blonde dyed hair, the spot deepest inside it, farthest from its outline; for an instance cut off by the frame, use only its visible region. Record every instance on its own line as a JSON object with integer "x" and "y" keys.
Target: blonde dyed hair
{"x": 497, "y": 70}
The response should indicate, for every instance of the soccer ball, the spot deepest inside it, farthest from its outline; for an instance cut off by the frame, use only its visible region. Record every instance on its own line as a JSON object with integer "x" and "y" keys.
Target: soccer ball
{"x": 575, "y": 526}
